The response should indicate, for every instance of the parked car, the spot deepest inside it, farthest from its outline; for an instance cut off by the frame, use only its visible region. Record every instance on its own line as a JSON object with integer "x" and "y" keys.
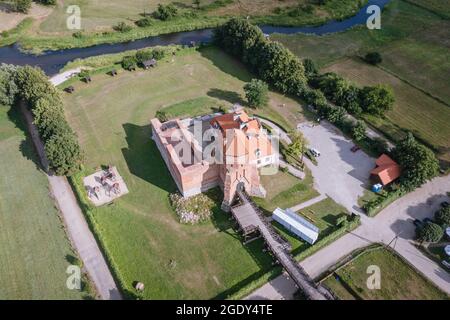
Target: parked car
{"x": 417, "y": 222}
{"x": 315, "y": 152}
{"x": 355, "y": 148}
{"x": 444, "y": 204}
{"x": 446, "y": 263}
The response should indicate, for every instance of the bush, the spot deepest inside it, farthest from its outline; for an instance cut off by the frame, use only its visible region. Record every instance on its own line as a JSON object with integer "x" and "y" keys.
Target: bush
{"x": 145, "y": 22}
{"x": 310, "y": 67}
{"x": 129, "y": 63}
{"x": 22, "y": 5}
{"x": 159, "y": 54}
{"x": 372, "y": 207}
{"x": 8, "y": 86}
{"x": 442, "y": 216}
{"x": 143, "y": 55}
{"x": 77, "y": 35}
{"x": 162, "y": 116}
{"x": 256, "y": 92}
{"x": 165, "y": 12}
{"x": 373, "y": 58}
{"x": 194, "y": 209}
{"x": 359, "y": 130}
{"x": 430, "y": 232}
{"x": 122, "y": 27}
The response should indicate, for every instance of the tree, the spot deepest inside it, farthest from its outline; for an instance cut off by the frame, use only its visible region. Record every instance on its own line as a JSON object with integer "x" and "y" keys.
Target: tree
{"x": 165, "y": 12}
{"x": 350, "y": 100}
{"x": 336, "y": 115}
{"x": 373, "y": 58}
{"x": 430, "y": 232}
{"x": 377, "y": 100}
{"x": 143, "y": 55}
{"x": 22, "y": 5}
{"x": 418, "y": 163}
{"x": 8, "y": 86}
{"x": 310, "y": 67}
{"x": 63, "y": 153}
{"x": 442, "y": 216}
{"x": 298, "y": 145}
{"x": 196, "y": 3}
{"x": 256, "y": 92}
{"x": 359, "y": 130}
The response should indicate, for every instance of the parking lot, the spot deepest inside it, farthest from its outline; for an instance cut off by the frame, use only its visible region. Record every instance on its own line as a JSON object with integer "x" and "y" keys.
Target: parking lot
{"x": 341, "y": 174}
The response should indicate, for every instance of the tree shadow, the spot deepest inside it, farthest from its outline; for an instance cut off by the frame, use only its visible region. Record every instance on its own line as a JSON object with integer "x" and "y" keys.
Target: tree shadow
{"x": 226, "y": 63}
{"x": 26, "y": 146}
{"x": 144, "y": 159}
{"x": 229, "y": 96}
{"x": 72, "y": 259}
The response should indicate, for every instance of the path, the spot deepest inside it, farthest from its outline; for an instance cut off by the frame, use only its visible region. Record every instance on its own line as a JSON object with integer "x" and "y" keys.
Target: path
{"x": 61, "y": 77}
{"x": 78, "y": 230}
{"x": 308, "y": 203}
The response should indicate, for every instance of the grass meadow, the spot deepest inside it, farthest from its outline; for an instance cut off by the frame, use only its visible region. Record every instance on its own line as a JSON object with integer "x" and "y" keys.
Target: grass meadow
{"x": 399, "y": 281}
{"x": 34, "y": 249}
{"x": 140, "y": 232}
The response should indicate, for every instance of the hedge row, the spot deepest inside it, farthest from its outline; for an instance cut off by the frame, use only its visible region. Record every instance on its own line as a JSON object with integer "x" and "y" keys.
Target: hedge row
{"x": 61, "y": 145}
{"x": 374, "y": 206}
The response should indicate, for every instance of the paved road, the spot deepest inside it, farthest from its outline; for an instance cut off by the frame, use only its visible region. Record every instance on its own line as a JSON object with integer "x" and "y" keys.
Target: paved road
{"x": 308, "y": 203}
{"x": 83, "y": 240}
{"x": 60, "y": 78}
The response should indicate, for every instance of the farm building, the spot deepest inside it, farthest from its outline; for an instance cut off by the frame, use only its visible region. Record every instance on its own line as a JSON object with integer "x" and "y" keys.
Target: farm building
{"x": 296, "y": 224}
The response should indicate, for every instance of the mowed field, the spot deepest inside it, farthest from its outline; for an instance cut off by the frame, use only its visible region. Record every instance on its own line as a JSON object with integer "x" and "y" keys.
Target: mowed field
{"x": 140, "y": 232}
{"x": 413, "y": 42}
{"x": 399, "y": 281}
{"x": 34, "y": 250}
{"x": 415, "y": 111}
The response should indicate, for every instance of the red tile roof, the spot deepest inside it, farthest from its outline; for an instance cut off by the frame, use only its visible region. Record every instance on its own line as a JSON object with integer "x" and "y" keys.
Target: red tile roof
{"x": 387, "y": 170}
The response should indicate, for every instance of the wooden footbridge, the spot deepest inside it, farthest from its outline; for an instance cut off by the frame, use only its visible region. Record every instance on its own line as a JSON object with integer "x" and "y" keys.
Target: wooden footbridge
{"x": 251, "y": 220}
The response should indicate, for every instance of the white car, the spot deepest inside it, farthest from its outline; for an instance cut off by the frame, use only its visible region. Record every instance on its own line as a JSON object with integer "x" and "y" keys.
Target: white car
{"x": 315, "y": 152}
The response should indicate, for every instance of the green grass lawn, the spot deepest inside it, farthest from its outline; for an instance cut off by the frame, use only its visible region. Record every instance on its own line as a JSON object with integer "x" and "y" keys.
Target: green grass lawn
{"x": 140, "y": 232}
{"x": 322, "y": 214}
{"x": 413, "y": 110}
{"x": 399, "y": 281}
{"x": 285, "y": 191}
{"x": 34, "y": 250}
{"x": 411, "y": 41}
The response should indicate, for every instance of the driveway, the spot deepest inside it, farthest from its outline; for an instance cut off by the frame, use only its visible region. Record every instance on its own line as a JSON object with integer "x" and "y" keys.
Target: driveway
{"x": 341, "y": 174}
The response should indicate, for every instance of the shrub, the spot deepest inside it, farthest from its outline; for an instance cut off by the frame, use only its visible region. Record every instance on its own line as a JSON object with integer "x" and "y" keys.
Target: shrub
{"x": 145, "y": 22}
{"x": 22, "y": 5}
{"x": 373, "y": 58}
{"x": 143, "y": 55}
{"x": 77, "y": 34}
{"x": 430, "y": 232}
{"x": 129, "y": 63}
{"x": 310, "y": 67}
{"x": 165, "y": 12}
{"x": 159, "y": 53}
{"x": 162, "y": 116}
{"x": 442, "y": 216}
{"x": 256, "y": 92}
{"x": 359, "y": 130}
{"x": 194, "y": 209}
{"x": 122, "y": 27}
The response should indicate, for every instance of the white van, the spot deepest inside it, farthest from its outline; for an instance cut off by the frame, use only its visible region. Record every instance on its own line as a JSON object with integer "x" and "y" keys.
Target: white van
{"x": 315, "y": 152}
